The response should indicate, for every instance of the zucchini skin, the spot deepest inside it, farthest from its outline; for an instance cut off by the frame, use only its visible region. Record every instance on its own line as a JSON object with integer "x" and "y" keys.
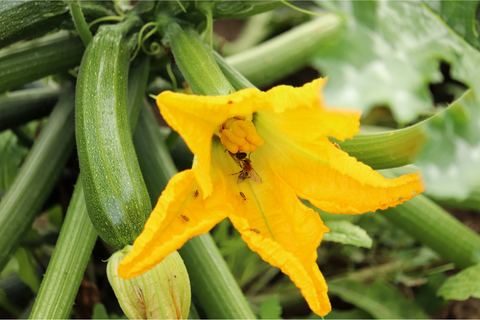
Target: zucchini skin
{"x": 117, "y": 200}
{"x": 21, "y": 20}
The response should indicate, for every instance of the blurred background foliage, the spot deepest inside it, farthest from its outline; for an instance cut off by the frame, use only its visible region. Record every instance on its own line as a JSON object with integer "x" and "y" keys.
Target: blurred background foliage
{"x": 398, "y": 62}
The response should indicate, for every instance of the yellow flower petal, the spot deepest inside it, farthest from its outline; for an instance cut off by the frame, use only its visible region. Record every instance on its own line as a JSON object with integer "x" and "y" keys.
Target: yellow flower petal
{"x": 276, "y": 225}
{"x": 180, "y": 214}
{"x": 329, "y": 178}
{"x": 195, "y": 118}
{"x": 299, "y": 112}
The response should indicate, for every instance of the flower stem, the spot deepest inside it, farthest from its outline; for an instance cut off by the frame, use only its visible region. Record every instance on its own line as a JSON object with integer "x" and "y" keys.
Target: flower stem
{"x": 79, "y": 21}
{"x": 212, "y": 282}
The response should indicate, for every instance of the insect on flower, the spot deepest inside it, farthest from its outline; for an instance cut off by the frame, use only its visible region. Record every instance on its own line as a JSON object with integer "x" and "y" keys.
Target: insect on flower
{"x": 195, "y": 194}
{"x": 247, "y": 169}
{"x": 243, "y": 196}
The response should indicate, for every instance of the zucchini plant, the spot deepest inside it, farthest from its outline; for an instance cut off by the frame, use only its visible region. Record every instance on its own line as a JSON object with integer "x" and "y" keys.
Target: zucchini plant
{"x": 92, "y": 67}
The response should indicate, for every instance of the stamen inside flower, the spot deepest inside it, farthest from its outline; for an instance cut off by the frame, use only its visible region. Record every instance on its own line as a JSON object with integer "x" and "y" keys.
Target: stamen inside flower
{"x": 239, "y": 135}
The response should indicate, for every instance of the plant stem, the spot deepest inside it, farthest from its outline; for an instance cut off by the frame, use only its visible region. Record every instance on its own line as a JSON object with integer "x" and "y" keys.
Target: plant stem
{"x": 79, "y": 21}
{"x": 37, "y": 177}
{"x": 72, "y": 252}
{"x": 437, "y": 229}
{"x": 22, "y": 106}
{"x": 285, "y": 54}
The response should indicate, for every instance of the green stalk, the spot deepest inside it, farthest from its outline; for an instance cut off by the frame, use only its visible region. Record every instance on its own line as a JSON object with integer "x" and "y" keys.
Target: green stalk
{"x": 79, "y": 21}
{"x": 78, "y": 236}
{"x": 389, "y": 149}
{"x": 37, "y": 177}
{"x": 32, "y": 60}
{"x": 434, "y": 227}
{"x": 285, "y": 54}
{"x": 20, "y": 107}
{"x": 212, "y": 282}
{"x": 152, "y": 153}
{"x": 137, "y": 85}
{"x": 68, "y": 262}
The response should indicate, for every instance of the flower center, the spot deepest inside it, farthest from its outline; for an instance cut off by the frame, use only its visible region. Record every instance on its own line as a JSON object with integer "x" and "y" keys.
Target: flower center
{"x": 239, "y": 135}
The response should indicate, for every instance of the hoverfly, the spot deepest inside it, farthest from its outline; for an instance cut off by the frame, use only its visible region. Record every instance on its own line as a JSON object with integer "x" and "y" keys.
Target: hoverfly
{"x": 243, "y": 196}
{"x": 247, "y": 169}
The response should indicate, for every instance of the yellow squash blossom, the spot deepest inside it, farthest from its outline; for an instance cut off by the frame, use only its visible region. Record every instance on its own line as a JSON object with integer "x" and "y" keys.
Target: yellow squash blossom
{"x": 285, "y": 132}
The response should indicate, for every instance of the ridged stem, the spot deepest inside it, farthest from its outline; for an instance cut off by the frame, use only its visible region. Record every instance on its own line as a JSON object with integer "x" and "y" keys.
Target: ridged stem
{"x": 32, "y": 60}
{"x": 19, "y": 107}
{"x": 285, "y": 54}
{"x": 69, "y": 260}
{"x": 434, "y": 227}
{"x": 37, "y": 177}
{"x": 79, "y": 21}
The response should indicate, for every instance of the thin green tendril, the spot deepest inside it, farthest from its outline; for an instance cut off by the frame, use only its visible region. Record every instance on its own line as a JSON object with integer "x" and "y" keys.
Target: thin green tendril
{"x": 141, "y": 39}
{"x": 153, "y": 96}
{"x": 154, "y": 46}
{"x": 302, "y": 10}
{"x": 109, "y": 18}
{"x": 172, "y": 77}
{"x": 120, "y": 12}
{"x": 181, "y": 6}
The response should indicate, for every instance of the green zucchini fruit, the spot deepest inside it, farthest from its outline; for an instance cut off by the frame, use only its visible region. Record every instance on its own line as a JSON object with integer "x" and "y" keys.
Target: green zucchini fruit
{"x": 32, "y": 60}
{"x": 21, "y": 20}
{"x": 117, "y": 200}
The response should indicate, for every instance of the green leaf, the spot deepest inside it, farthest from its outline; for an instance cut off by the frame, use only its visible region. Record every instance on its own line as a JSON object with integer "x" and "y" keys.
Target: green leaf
{"x": 451, "y": 154}
{"x": 426, "y": 297}
{"x": 27, "y": 272}
{"x": 349, "y": 314}
{"x": 271, "y": 308}
{"x": 393, "y": 60}
{"x": 378, "y": 299}
{"x": 463, "y": 285}
{"x": 100, "y": 312}
{"x": 347, "y": 233}
{"x": 11, "y": 154}
{"x": 460, "y": 16}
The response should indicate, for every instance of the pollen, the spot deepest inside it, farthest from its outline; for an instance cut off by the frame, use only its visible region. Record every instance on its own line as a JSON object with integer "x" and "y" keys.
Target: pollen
{"x": 240, "y": 135}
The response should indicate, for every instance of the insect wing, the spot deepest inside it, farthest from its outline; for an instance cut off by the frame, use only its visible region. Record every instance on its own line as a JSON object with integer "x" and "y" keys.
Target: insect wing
{"x": 235, "y": 158}
{"x": 255, "y": 177}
